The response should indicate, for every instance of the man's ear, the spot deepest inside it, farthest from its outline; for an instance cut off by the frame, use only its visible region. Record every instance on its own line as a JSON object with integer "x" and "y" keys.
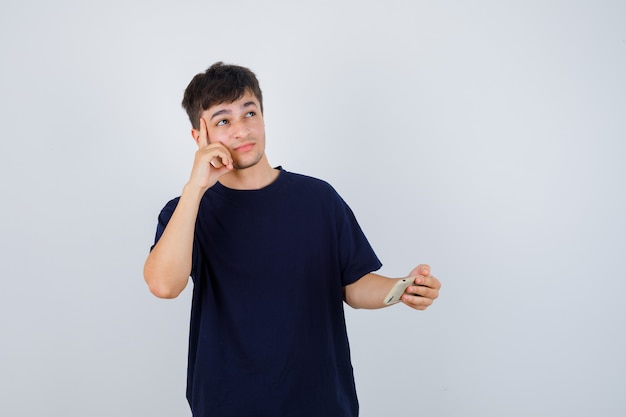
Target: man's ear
{"x": 195, "y": 134}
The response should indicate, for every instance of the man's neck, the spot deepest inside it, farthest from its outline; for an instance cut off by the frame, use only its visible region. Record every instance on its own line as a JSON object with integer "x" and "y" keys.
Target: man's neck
{"x": 253, "y": 178}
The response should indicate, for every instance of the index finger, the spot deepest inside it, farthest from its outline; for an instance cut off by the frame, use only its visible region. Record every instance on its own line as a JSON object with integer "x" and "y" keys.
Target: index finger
{"x": 429, "y": 281}
{"x": 203, "y": 139}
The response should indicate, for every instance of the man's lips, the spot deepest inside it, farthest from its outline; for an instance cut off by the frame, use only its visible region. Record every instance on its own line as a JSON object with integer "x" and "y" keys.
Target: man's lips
{"x": 244, "y": 147}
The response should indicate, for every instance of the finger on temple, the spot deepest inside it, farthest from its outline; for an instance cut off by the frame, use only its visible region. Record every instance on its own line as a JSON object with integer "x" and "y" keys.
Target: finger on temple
{"x": 204, "y": 133}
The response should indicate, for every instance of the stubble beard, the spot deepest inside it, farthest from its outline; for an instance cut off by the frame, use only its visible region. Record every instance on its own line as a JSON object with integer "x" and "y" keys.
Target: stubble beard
{"x": 238, "y": 165}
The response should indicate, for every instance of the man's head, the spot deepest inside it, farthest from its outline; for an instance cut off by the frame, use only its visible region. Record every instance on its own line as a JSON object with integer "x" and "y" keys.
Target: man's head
{"x": 219, "y": 84}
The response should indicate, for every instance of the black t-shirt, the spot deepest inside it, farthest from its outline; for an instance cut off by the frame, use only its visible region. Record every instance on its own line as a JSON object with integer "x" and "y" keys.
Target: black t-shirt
{"x": 267, "y": 334}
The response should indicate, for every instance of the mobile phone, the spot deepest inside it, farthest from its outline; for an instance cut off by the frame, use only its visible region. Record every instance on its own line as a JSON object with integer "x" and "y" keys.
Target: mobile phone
{"x": 394, "y": 295}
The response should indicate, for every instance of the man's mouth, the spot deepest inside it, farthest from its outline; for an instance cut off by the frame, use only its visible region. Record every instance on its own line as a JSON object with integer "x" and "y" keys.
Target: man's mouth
{"x": 245, "y": 147}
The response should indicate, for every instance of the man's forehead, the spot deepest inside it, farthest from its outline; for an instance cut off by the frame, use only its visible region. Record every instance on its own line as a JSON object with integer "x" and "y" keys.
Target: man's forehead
{"x": 247, "y": 100}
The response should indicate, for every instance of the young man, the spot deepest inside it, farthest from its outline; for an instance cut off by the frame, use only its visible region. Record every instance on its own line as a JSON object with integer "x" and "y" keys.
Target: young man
{"x": 273, "y": 255}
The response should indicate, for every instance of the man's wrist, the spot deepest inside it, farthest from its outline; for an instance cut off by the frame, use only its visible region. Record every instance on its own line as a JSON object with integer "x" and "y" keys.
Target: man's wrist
{"x": 193, "y": 191}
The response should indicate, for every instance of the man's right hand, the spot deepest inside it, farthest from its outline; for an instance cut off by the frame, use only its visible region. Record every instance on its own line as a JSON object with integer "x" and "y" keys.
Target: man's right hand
{"x": 212, "y": 160}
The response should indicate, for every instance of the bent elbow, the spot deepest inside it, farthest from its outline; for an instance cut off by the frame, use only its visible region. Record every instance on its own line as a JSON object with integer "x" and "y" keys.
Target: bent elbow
{"x": 353, "y": 304}
{"x": 348, "y": 298}
{"x": 161, "y": 288}
{"x": 161, "y": 291}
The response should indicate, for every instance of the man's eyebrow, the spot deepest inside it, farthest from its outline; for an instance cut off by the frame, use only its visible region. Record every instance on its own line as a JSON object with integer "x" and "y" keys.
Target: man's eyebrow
{"x": 226, "y": 111}
{"x": 219, "y": 113}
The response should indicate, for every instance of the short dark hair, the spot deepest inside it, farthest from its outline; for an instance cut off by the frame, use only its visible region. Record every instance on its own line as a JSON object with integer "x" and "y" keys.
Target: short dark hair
{"x": 220, "y": 83}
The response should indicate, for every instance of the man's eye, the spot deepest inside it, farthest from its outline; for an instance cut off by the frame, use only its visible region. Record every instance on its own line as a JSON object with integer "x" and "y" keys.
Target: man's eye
{"x": 222, "y": 122}
{"x": 250, "y": 114}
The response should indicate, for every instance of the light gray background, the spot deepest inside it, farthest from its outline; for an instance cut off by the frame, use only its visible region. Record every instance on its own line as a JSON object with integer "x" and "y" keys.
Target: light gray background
{"x": 486, "y": 138}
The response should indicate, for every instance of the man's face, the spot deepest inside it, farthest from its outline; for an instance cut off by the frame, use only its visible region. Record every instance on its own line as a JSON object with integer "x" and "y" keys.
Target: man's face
{"x": 239, "y": 126}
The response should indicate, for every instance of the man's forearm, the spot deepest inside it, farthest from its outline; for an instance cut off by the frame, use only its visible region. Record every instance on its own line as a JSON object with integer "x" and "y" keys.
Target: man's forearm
{"x": 369, "y": 291}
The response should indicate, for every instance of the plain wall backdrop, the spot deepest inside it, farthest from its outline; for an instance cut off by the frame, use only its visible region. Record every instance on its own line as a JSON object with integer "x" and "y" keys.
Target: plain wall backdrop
{"x": 486, "y": 138}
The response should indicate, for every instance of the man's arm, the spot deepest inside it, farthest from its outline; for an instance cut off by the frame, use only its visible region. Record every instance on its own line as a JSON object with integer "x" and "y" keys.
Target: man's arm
{"x": 369, "y": 291}
{"x": 168, "y": 266}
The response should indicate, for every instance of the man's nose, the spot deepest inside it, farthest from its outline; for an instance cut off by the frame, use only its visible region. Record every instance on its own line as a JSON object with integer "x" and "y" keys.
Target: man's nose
{"x": 239, "y": 130}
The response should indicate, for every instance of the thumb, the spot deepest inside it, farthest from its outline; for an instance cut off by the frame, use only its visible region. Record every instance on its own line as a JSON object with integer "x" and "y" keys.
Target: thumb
{"x": 421, "y": 269}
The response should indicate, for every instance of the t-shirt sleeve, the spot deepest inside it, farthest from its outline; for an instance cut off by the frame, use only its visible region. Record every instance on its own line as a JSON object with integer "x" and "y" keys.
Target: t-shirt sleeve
{"x": 356, "y": 256}
{"x": 163, "y": 220}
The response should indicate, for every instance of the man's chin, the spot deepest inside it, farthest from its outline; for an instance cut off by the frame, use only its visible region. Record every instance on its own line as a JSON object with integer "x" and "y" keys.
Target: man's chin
{"x": 245, "y": 164}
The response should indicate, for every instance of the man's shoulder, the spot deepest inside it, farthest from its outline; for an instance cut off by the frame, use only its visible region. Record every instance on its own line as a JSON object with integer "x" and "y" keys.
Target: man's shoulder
{"x": 171, "y": 205}
{"x": 308, "y": 182}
